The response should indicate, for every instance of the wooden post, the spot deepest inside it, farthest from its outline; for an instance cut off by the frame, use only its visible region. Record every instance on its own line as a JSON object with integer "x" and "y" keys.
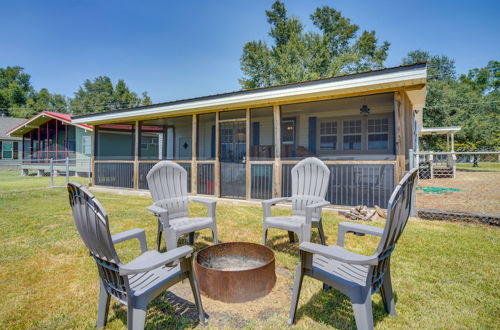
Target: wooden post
{"x": 136, "y": 156}
{"x": 399, "y": 109}
{"x": 94, "y": 151}
{"x": 248, "y": 168}
{"x": 217, "y": 157}
{"x": 194, "y": 165}
{"x": 277, "y": 152}
{"x": 448, "y": 142}
{"x": 453, "y": 142}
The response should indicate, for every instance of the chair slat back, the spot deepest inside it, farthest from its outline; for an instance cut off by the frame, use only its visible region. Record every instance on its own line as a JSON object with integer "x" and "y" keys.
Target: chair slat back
{"x": 167, "y": 183}
{"x": 91, "y": 222}
{"x": 398, "y": 213}
{"x": 309, "y": 184}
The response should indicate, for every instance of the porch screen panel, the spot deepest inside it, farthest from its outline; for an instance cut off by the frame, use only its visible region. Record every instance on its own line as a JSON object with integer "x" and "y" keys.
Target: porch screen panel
{"x": 205, "y": 136}
{"x": 261, "y": 134}
{"x": 335, "y": 128}
{"x": 119, "y": 175}
{"x": 113, "y": 142}
{"x": 52, "y": 138}
{"x": 206, "y": 184}
{"x": 262, "y": 181}
{"x": 150, "y": 142}
{"x": 174, "y": 137}
{"x": 353, "y": 184}
{"x": 144, "y": 169}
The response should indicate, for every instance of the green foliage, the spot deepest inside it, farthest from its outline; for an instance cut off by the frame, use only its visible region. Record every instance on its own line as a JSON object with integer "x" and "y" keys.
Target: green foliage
{"x": 100, "y": 95}
{"x": 471, "y": 101}
{"x": 296, "y": 55}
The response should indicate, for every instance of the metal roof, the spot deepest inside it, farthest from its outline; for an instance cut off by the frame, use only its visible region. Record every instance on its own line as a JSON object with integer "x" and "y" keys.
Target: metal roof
{"x": 413, "y": 71}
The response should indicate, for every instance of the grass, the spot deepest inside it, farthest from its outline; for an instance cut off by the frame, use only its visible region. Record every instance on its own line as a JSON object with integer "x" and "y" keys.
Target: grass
{"x": 445, "y": 275}
{"x": 482, "y": 167}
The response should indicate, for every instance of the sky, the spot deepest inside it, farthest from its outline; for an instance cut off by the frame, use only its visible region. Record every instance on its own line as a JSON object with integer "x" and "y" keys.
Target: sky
{"x": 181, "y": 49}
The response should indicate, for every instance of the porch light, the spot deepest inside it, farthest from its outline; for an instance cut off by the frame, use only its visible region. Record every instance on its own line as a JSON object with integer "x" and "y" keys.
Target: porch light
{"x": 364, "y": 110}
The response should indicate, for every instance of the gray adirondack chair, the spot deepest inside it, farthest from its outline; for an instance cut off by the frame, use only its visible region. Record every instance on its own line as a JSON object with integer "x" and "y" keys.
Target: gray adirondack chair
{"x": 138, "y": 282}
{"x": 167, "y": 183}
{"x": 309, "y": 185}
{"x": 355, "y": 275}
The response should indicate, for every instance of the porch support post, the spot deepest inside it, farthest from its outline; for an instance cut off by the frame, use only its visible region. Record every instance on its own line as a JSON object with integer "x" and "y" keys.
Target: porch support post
{"x": 277, "y": 152}
{"x": 136, "y": 156}
{"x": 399, "y": 109}
{"x": 448, "y": 142}
{"x": 217, "y": 157}
{"x": 94, "y": 153}
{"x": 194, "y": 165}
{"x": 453, "y": 142}
{"x": 248, "y": 169}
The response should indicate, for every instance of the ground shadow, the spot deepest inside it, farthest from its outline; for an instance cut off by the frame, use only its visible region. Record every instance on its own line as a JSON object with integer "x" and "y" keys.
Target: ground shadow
{"x": 334, "y": 309}
{"x": 167, "y": 311}
{"x": 281, "y": 242}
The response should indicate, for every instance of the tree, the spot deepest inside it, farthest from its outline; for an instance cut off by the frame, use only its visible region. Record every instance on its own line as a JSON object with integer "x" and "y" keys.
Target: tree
{"x": 296, "y": 55}
{"x": 471, "y": 101}
{"x": 100, "y": 95}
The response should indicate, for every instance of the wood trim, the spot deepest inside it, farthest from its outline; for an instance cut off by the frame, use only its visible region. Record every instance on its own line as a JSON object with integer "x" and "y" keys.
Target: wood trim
{"x": 194, "y": 149}
{"x": 270, "y": 103}
{"x": 217, "y": 156}
{"x": 248, "y": 169}
{"x": 136, "y": 155}
{"x": 277, "y": 151}
{"x": 399, "y": 136}
{"x": 114, "y": 161}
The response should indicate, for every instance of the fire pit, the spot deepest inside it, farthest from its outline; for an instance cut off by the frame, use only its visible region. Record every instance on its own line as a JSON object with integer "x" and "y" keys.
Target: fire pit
{"x": 235, "y": 272}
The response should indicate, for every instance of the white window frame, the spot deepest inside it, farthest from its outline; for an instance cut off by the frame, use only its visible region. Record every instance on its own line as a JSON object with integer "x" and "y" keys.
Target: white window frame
{"x": 368, "y": 133}
{"x": 294, "y": 125}
{"x": 11, "y": 149}
{"x": 325, "y": 121}
{"x": 360, "y": 134}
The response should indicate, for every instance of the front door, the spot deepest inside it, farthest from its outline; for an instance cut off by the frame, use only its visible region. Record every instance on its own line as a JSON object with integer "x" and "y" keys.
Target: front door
{"x": 232, "y": 159}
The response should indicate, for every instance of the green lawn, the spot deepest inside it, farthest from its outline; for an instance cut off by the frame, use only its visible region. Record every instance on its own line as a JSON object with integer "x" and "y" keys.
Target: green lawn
{"x": 482, "y": 167}
{"x": 446, "y": 275}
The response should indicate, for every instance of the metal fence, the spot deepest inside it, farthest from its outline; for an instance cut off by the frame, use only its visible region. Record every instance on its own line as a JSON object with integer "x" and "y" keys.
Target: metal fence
{"x": 58, "y": 171}
{"x": 458, "y": 186}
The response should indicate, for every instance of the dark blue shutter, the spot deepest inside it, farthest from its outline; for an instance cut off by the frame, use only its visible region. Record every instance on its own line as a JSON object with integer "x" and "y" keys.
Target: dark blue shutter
{"x": 212, "y": 145}
{"x": 256, "y": 134}
{"x": 312, "y": 134}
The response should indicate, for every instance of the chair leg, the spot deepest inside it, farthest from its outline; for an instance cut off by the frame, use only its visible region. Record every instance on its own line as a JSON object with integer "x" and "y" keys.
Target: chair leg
{"x": 191, "y": 239}
{"x": 158, "y": 236}
{"x": 136, "y": 317}
{"x": 215, "y": 236}
{"x": 297, "y": 286}
{"x": 387, "y": 294}
{"x": 103, "y": 306}
{"x": 321, "y": 232}
{"x": 264, "y": 236}
{"x": 196, "y": 293}
{"x": 291, "y": 236}
{"x": 363, "y": 311}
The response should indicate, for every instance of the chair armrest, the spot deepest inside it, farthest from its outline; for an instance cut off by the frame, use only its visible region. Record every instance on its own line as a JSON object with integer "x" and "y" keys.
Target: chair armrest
{"x": 209, "y": 203}
{"x": 338, "y": 253}
{"x": 158, "y": 211}
{"x": 266, "y": 205}
{"x": 345, "y": 227}
{"x": 130, "y": 234}
{"x": 312, "y": 207}
{"x": 153, "y": 259}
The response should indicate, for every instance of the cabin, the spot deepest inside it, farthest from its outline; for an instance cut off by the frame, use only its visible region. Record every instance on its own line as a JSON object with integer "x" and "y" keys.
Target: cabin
{"x": 53, "y": 137}
{"x": 243, "y": 145}
{"x": 9, "y": 146}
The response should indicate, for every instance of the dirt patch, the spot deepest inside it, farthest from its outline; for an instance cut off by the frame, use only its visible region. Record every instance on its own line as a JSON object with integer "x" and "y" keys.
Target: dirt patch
{"x": 478, "y": 192}
{"x": 223, "y": 315}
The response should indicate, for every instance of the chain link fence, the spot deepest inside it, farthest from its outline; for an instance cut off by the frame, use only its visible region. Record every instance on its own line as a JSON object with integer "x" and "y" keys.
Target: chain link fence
{"x": 58, "y": 171}
{"x": 458, "y": 186}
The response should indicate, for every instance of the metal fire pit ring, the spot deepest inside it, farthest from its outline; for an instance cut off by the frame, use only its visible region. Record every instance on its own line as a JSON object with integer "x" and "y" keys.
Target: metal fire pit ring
{"x": 236, "y": 286}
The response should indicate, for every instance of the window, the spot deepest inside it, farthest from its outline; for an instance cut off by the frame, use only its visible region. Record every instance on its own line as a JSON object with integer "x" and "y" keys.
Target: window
{"x": 288, "y": 131}
{"x": 7, "y": 150}
{"x": 328, "y": 135}
{"x": 352, "y": 135}
{"x": 378, "y": 134}
{"x": 87, "y": 145}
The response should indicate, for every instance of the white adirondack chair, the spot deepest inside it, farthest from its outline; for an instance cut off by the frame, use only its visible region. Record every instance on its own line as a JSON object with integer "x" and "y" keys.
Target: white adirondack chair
{"x": 138, "y": 282}
{"x": 167, "y": 183}
{"x": 309, "y": 185}
{"x": 359, "y": 276}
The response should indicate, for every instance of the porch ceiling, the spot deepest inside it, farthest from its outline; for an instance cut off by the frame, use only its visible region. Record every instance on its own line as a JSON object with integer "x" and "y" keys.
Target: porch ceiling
{"x": 411, "y": 78}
